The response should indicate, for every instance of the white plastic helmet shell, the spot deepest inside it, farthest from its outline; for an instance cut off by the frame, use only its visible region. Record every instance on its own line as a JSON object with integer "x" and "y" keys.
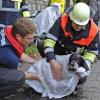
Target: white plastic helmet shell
{"x": 80, "y": 13}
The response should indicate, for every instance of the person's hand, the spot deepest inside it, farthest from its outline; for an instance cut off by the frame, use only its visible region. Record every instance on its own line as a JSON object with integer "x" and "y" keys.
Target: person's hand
{"x": 27, "y": 59}
{"x": 56, "y": 70}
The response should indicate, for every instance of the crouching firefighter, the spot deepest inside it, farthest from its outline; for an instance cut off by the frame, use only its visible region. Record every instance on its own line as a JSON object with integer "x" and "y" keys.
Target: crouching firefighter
{"x": 10, "y": 10}
{"x": 13, "y": 40}
{"x": 72, "y": 33}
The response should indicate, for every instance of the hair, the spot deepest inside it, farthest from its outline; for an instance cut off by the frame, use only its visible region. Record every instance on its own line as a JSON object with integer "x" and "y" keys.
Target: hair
{"x": 23, "y": 26}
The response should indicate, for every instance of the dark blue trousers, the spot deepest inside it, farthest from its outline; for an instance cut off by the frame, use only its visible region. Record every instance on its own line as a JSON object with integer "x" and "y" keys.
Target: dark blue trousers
{"x": 10, "y": 81}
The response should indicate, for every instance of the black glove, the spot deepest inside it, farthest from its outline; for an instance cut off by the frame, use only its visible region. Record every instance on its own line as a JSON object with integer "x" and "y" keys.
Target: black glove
{"x": 77, "y": 60}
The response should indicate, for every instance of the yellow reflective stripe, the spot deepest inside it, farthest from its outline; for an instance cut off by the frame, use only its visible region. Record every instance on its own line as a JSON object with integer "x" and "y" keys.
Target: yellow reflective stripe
{"x": 90, "y": 56}
{"x": 19, "y": 5}
{"x": 62, "y": 8}
{"x": 26, "y": 14}
{"x": 49, "y": 42}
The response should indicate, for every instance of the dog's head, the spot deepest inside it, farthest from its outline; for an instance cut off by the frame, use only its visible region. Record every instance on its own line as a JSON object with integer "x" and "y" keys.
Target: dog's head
{"x": 74, "y": 61}
{"x": 73, "y": 65}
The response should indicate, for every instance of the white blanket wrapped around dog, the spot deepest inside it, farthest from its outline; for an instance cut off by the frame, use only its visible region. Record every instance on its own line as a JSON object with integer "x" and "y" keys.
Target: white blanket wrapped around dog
{"x": 48, "y": 85}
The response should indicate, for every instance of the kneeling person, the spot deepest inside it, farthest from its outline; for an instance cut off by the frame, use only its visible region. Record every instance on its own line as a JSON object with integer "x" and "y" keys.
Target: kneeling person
{"x": 13, "y": 40}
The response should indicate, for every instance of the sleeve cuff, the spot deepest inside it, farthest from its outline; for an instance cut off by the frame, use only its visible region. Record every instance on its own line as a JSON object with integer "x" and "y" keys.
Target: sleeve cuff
{"x": 50, "y": 56}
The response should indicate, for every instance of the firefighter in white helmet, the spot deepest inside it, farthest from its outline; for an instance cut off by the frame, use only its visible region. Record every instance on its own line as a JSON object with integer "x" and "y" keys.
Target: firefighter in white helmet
{"x": 72, "y": 33}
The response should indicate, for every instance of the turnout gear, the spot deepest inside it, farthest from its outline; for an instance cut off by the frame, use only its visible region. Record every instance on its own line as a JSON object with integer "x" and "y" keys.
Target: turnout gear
{"x": 10, "y": 10}
{"x": 61, "y": 2}
{"x": 80, "y": 14}
{"x": 85, "y": 42}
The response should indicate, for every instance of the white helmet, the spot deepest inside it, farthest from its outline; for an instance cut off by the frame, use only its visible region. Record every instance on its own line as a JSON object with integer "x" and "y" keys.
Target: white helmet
{"x": 80, "y": 13}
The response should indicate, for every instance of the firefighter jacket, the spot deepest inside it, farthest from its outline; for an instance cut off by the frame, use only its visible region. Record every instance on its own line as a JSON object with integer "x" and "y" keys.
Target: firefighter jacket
{"x": 84, "y": 42}
{"x": 61, "y": 2}
{"x": 10, "y": 10}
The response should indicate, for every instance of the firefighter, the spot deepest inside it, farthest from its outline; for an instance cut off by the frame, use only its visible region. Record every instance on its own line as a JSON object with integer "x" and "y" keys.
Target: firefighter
{"x": 10, "y": 10}
{"x": 71, "y": 33}
{"x": 61, "y": 2}
{"x": 13, "y": 40}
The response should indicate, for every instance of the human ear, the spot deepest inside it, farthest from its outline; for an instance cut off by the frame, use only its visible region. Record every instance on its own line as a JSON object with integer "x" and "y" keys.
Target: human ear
{"x": 18, "y": 37}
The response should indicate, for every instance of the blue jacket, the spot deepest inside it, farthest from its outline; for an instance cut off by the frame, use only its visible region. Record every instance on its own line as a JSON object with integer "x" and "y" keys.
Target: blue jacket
{"x": 8, "y": 54}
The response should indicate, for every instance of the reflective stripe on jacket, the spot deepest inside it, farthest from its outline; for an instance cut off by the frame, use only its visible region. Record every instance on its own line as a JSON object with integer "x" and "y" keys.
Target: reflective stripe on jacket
{"x": 84, "y": 41}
